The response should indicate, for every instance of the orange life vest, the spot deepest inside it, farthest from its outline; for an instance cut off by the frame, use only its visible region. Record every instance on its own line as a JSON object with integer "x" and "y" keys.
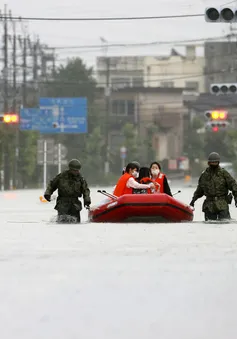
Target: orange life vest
{"x": 148, "y": 181}
{"x": 160, "y": 181}
{"x": 121, "y": 187}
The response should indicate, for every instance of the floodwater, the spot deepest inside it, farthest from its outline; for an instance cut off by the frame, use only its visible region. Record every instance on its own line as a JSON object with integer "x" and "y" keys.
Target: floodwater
{"x": 114, "y": 281}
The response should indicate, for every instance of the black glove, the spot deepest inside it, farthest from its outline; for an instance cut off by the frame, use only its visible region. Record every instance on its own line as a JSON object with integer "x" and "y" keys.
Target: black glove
{"x": 47, "y": 197}
{"x": 192, "y": 203}
{"x": 87, "y": 204}
{"x": 235, "y": 203}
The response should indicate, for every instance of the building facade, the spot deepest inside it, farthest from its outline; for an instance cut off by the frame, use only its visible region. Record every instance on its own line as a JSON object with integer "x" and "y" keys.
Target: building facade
{"x": 176, "y": 70}
{"x": 160, "y": 110}
{"x": 120, "y": 72}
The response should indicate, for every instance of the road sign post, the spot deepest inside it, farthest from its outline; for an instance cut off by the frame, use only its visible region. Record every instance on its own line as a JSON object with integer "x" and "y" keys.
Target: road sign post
{"x": 45, "y": 164}
{"x": 60, "y": 154}
{"x": 50, "y": 151}
{"x": 45, "y": 149}
{"x": 59, "y": 159}
{"x": 123, "y": 155}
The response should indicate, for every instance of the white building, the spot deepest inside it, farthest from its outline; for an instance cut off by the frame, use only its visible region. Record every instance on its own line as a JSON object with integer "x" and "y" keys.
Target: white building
{"x": 176, "y": 70}
{"x": 121, "y": 72}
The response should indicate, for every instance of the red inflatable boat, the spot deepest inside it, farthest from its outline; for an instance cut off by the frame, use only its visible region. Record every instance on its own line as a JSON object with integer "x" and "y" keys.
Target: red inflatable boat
{"x": 140, "y": 208}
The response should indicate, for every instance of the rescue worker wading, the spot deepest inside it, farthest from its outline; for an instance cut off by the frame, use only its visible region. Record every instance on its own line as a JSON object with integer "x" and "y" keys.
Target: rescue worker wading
{"x": 71, "y": 186}
{"x": 215, "y": 183}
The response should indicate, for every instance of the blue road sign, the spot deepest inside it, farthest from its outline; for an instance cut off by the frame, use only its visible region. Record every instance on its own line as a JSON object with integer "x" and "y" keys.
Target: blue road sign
{"x": 35, "y": 119}
{"x": 70, "y": 114}
{"x": 56, "y": 115}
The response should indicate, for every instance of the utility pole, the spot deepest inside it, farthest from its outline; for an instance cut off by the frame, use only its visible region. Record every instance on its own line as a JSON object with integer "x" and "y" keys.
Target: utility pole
{"x": 35, "y": 60}
{"x": 24, "y": 96}
{"x": 14, "y": 65}
{"x": 6, "y": 129}
{"x": 107, "y": 95}
{"x": 17, "y": 136}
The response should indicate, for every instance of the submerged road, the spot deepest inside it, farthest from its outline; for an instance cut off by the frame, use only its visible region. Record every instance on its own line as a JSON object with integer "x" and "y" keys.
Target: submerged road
{"x": 114, "y": 281}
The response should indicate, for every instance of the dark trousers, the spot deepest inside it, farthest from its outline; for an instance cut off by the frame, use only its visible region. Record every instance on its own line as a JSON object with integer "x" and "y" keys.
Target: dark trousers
{"x": 73, "y": 216}
{"x": 221, "y": 215}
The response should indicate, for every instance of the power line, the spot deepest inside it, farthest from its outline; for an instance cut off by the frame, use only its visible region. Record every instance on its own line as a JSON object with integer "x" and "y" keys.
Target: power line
{"x": 228, "y": 3}
{"x": 139, "y": 44}
{"x": 105, "y": 18}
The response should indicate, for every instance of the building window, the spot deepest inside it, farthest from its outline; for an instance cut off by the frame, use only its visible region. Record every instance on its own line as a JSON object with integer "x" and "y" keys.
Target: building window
{"x": 130, "y": 107}
{"x": 192, "y": 85}
{"x": 123, "y": 107}
{"x": 118, "y": 107}
{"x": 120, "y": 82}
{"x": 137, "y": 81}
{"x": 167, "y": 84}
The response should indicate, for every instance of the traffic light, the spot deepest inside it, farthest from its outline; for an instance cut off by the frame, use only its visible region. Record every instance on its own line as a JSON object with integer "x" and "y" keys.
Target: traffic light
{"x": 223, "y": 88}
{"x": 216, "y": 115}
{"x": 9, "y": 118}
{"x": 216, "y": 126}
{"x": 224, "y": 14}
{"x": 217, "y": 120}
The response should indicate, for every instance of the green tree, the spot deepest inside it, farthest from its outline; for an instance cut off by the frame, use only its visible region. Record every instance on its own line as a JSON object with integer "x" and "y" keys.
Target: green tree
{"x": 93, "y": 161}
{"x": 194, "y": 144}
{"x": 220, "y": 142}
{"x": 149, "y": 151}
{"x": 72, "y": 80}
{"x": 231, "y": 142}
{"x": 27, "y": 163}
{"x": 131, "y": 141}
{"x": 76, "y": 80}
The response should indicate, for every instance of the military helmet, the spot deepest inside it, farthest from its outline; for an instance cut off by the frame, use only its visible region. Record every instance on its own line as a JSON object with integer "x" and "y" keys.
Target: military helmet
{"x": 74, "y": 164}
{"x": 136, "y": 163}
{"x": 214, "y": 157}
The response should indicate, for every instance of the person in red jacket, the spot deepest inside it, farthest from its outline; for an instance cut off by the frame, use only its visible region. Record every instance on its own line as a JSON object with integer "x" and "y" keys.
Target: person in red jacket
{"x": 160, "y": 178}
{"x": 127, "y": 182}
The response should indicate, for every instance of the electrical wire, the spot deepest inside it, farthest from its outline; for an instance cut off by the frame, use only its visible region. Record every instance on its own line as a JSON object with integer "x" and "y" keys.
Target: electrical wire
{"x": 131, "y": 18}
{"x": 140, "y": 44}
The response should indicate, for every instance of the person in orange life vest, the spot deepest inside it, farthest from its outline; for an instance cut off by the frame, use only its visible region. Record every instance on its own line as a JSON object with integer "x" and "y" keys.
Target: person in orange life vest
{"x": 127, "y": 182}
{"x": 160, "y": 178}
{"x": 124, "y": 170}
{"x": 145, "y": 178}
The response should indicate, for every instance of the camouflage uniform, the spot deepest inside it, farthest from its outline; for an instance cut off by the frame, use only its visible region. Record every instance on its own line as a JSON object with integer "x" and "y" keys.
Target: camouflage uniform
{"x": 71, "y": 186}
{"x": 215, "y": 185}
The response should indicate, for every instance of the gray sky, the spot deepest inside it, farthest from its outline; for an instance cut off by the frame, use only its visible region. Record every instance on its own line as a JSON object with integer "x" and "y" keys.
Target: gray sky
{"x": 89, "y": 33}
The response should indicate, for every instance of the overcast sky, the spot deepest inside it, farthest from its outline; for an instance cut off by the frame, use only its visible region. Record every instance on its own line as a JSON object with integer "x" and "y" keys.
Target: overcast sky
{"x": 70, "y": 34}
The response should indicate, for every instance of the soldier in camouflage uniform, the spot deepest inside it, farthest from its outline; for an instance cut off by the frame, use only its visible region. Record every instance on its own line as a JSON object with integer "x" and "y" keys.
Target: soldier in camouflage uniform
{"x": 71, "y": 186}
{"x": 215, "y": 183}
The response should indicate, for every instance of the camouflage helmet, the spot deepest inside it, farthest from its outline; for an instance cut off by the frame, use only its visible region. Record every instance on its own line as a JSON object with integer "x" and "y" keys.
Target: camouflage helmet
{"x": 136, "y": 163}
{"x": 74, "y": 164}
{"x": 214, "y": 157}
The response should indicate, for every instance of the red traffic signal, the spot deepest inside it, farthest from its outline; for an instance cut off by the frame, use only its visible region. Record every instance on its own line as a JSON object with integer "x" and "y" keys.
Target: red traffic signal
{"x": 217, "y": 125}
